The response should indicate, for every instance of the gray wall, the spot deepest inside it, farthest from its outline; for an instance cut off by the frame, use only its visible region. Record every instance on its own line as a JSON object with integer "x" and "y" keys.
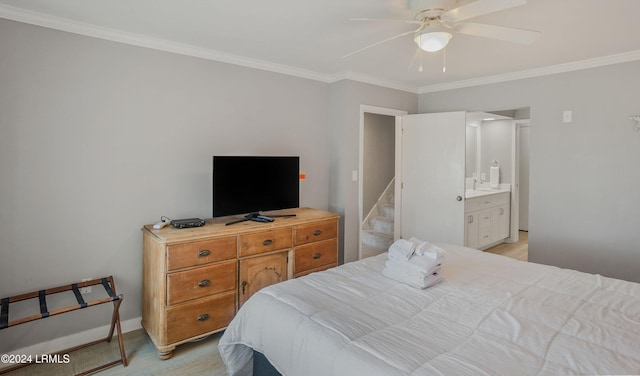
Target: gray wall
{"x": 99, "y": 138}
{"x": 379, "y": 157}
{"x": 346, "y": 98}
{"x": 583, "y": 175}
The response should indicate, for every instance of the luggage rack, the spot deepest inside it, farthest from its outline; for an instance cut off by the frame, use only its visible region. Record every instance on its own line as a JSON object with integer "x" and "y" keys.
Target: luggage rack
{"x": 41, "y": 295}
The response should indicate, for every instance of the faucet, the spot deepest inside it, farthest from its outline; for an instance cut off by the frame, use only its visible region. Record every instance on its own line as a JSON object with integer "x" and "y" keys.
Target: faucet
{"x": 475, "y": 181}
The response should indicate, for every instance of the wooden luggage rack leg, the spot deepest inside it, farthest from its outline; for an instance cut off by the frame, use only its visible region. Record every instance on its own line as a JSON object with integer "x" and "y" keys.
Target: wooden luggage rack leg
{"x": 110, "y": 289}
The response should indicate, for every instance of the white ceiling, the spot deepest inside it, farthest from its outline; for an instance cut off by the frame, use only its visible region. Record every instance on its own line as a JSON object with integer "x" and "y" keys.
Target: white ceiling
{"x": 308, "y": 38}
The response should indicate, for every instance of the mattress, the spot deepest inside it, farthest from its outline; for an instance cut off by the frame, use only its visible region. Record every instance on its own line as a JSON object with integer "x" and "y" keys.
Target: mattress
{"x": 491, "y": 315}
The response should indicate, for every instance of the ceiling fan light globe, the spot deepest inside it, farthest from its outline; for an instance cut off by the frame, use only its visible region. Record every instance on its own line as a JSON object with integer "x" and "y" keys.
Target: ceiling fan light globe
{"x": 433, "y": 41}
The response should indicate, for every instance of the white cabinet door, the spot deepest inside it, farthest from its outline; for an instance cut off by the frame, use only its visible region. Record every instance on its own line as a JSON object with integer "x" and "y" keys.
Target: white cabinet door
{"x": 432, "y": 173}
{"x": 500, "y": 219}
{"x": 471, "y": 230}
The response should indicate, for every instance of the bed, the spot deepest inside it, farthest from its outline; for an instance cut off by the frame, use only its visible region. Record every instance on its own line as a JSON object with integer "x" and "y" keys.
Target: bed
{"x": 491, "y": 315}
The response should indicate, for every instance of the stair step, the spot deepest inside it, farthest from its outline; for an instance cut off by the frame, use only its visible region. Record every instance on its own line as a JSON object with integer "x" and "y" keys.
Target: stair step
{"x": 386, "y": 210}
{"x": 377, "y": 239}
{"x": 382, "y": 224}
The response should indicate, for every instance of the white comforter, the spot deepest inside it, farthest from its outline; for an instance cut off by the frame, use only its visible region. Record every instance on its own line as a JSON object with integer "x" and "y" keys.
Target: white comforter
{"x": 490, "y": 316}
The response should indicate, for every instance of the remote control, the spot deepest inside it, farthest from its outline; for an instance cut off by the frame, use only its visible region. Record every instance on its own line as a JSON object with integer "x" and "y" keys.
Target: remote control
{"x": 258, "y": 219}
{"x": 160, "y": 225}
{"x": 265, "y": 218}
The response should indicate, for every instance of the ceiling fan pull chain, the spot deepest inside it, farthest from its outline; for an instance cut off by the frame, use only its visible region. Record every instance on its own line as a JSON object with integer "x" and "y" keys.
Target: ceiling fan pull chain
{"x": 420, "y": 69}
{"x": 444, "y": 60}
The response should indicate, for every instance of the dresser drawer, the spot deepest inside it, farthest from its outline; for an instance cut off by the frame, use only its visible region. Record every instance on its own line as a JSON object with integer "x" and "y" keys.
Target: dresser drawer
{"x": 315, "y": 255}
{"x": 485, "y": 202}
{"x": 266, "y": 241}
{"x": 316, "y": 231}
{"x": 199, "y": 317}
{"x": 202, "y": 252}
{"x": 484, "y": 236}
{"x": 203, "y": 281}
{"x": 484, "y": 218}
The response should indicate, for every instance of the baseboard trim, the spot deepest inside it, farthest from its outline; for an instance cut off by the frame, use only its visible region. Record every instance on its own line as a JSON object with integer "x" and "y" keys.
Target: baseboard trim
{"x": 72, "y": 340}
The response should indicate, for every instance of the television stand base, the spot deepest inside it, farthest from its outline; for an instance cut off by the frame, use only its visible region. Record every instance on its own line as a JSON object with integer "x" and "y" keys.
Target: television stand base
{"x": 257, "y": 217}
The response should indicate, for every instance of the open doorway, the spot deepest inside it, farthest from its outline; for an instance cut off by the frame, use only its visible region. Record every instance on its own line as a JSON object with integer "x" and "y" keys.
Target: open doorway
{"x": 518, "y": 244}
{"x": 376, "y": 181}
{"x": 375, "y": 136}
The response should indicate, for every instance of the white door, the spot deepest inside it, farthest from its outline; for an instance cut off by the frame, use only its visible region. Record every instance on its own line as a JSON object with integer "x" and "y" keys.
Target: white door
{"x": 432, "y": 172}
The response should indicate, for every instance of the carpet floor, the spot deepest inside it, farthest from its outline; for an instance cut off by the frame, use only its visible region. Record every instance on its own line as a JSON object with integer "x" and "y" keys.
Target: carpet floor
{"x": 194, "y": 358}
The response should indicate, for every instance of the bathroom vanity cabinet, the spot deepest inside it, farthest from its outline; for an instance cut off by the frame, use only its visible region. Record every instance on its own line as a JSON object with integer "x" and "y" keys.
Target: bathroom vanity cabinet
{"x": 487, "y": 219}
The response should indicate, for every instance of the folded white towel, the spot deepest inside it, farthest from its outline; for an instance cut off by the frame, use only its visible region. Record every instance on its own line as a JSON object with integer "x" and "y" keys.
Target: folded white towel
{"x": 401, "y": 250}
{"x": 417, "y": 242}
{"x": 424, "y": 248}
{"x": 417, "y": 266}
{"x": 419, "y": 282}
{"x": 494, "y": 176}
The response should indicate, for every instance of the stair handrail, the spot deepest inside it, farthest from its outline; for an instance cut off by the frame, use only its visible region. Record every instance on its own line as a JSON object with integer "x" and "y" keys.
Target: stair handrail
{"x": 374, "y": 209}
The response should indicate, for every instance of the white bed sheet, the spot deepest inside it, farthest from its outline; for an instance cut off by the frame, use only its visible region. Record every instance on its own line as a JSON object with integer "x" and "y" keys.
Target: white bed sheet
{"x": 490, "y": 316}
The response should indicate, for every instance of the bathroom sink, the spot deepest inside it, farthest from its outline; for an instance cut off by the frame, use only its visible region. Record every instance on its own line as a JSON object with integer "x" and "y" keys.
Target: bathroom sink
{"x": 483, "y": 189}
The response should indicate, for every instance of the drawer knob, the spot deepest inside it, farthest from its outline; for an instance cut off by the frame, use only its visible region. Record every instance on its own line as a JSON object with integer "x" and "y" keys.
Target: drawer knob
{"x": 267, "y": 242}
{"x": 204, "y": 283}
{"x": 204, "y": 253}
{"x": 317, "y": 255}
{"x": 203, "y": 317}
{"x": 317, "y": 232}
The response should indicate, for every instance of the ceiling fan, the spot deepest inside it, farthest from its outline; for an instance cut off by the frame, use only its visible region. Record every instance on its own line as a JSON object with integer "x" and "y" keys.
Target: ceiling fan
{"x": 438, "y": 19}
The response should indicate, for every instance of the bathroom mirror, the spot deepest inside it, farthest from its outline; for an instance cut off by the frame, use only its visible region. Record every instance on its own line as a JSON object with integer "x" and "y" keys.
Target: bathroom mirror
{"x": 471, "y": 155}
{"x": 489, "y": 138}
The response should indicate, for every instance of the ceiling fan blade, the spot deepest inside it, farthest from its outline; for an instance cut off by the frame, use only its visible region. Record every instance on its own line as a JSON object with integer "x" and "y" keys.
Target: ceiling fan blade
{"x": 508, "y": 34}
{"x": 479, "y": 8}
{"x": 386, "y": 20}
{"x": 383, "y": 41}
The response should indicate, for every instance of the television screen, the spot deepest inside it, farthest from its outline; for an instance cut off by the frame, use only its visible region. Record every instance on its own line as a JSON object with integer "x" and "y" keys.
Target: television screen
{"x": 250, "y": 184}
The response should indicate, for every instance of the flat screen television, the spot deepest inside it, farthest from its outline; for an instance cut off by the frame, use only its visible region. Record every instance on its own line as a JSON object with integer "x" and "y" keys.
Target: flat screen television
{"x": 252, "y": 184}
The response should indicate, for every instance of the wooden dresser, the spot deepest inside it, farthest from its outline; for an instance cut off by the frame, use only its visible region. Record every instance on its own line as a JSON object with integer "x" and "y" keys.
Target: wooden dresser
{"x": 195, "y": 279}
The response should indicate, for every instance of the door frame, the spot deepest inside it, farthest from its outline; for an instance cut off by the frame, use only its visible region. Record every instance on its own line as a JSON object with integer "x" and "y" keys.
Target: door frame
{"x": 515, "y": 183}
{"x": 379, "y": 111}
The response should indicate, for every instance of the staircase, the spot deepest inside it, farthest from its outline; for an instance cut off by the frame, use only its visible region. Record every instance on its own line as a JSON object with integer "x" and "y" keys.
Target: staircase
{"x": 377, "y": 229}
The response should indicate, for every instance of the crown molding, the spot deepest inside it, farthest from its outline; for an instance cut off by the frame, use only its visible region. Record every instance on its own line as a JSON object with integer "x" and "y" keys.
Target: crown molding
{"x": 538, "y": 72}
{"x": 81, "y": 28}
{"x": 76, "y": 27}
{"x": 355, "y": 76}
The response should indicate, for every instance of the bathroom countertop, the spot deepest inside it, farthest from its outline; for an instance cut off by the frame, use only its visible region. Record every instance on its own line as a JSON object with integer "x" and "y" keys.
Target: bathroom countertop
{"x": 471, "y": 193}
